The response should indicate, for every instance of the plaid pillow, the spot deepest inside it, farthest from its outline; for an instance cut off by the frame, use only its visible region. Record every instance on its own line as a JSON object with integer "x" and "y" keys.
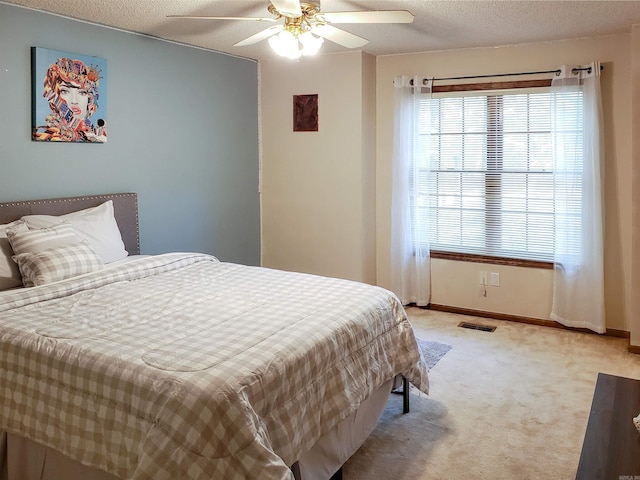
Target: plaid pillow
{"x": 57, "y": 263}
{"x": 32, "y": 241}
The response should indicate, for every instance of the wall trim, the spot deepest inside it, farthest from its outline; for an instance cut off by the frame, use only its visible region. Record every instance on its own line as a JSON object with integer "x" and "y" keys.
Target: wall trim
{"x": 131, "y": 32}
{"x": 610, "y": 332}
{"x": 634, "y": 349}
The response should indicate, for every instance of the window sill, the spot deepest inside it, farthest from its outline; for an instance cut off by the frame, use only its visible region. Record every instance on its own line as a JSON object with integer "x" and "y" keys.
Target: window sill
{"x": 512, "y": 262}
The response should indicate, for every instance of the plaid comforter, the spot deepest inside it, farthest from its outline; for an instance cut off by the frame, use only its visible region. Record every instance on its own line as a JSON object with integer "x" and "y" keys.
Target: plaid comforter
{"x": 179, "y": 366}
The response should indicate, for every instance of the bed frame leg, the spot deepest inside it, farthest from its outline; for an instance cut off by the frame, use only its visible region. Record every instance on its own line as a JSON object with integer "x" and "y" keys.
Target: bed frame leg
{"x": 295, "y": 469}
{"x": 337, "y": 475}
{"x": 405, "y": 395}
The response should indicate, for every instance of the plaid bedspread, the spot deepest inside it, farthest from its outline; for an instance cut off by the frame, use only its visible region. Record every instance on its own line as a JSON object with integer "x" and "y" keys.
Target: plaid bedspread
{"x": 179, "y": 366}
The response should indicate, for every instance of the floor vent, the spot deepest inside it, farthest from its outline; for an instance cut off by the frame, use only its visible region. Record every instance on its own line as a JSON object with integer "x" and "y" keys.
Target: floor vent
{"x": 475, "y": 326}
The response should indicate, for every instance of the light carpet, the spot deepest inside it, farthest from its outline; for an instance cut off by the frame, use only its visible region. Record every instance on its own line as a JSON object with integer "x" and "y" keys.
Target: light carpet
{"x": 512, "y": 404}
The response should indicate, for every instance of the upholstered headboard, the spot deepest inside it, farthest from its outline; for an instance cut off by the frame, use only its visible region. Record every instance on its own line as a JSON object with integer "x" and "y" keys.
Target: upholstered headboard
{"x": 125, "y": 206}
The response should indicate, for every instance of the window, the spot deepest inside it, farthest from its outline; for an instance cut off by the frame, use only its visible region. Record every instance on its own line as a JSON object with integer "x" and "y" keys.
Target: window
{"x": 486, "y": 181}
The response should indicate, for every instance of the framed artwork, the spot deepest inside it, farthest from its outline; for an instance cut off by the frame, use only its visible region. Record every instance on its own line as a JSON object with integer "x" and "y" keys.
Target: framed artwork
{"x": 69, "y": 97}
{"x": 305, "y": 113}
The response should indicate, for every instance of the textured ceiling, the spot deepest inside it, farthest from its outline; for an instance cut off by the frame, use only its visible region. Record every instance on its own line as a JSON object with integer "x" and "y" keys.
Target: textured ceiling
{"x": 438, "y": 24}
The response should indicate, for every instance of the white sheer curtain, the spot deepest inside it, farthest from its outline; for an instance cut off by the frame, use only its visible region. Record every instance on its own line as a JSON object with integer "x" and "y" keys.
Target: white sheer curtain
{"x": 578, "y": 148}
{"x": 410, "y": 262}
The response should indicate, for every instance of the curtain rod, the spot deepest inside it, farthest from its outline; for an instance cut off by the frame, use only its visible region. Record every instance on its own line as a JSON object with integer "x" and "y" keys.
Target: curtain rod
{"x": 573, "y": 70}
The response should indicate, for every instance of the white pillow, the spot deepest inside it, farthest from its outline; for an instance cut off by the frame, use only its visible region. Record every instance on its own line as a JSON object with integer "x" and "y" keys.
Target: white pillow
{"x": 57, "y": 263}
{"x": 9, "y": 272}
{"x": 96, "y": 225}
{"x": 33, "y": 241}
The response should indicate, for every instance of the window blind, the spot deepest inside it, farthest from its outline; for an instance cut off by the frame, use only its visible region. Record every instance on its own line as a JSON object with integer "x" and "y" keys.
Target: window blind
{"x": 485, "y": 172}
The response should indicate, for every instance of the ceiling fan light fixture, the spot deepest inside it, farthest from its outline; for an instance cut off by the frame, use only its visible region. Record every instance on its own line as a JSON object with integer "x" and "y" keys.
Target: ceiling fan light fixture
{"x": 310, "y": 43}
{"x": 293, "y": 45}
{"x": 286, "y": 45}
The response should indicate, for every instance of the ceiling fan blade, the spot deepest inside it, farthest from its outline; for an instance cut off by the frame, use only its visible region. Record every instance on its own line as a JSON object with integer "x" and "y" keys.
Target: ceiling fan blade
{"x": 388, "y": 16}
{"x": 288, "y": 8}
{"x": 206, "y": 17}
{"x": 260, "y": 36}
{"x": 340, "y": 37}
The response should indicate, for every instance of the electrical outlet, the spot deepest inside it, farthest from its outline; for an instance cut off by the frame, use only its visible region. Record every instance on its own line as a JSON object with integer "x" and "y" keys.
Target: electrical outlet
{"x": 494, "y": 279}
{"x": 483, "y": 278}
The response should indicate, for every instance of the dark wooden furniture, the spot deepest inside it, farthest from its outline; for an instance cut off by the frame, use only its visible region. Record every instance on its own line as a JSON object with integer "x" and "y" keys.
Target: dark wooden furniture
{"x": 611, "y": 448}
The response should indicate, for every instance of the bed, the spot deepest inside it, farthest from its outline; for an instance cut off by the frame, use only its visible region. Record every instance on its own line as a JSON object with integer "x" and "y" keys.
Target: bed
{"x": 125, "y": 366}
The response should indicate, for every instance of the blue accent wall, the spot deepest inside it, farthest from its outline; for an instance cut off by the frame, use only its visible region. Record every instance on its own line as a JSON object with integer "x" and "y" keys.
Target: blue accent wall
{"x": 182, "y": 133}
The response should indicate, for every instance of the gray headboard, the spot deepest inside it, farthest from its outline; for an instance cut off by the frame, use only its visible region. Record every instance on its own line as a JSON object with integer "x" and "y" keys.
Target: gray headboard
{"x": 125, "y": 206}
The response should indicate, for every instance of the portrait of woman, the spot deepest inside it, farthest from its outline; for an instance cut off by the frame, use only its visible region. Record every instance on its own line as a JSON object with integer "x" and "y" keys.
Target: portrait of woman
{"x": 69, "y": 97}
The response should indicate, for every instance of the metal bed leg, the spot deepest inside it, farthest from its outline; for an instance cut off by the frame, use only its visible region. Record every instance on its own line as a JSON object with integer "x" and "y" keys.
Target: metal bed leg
{"x": 295, "y": 468}
{"x": 337, "y": 475}
{"x": 405, "y": 395}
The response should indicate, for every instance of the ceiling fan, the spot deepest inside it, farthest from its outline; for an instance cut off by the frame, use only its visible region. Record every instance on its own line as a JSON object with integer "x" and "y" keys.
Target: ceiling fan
{"x": 305, "y": 26}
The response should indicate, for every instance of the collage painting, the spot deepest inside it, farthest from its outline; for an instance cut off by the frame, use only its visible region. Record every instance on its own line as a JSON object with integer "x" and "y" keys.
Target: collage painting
{"x": 69, "y": 97}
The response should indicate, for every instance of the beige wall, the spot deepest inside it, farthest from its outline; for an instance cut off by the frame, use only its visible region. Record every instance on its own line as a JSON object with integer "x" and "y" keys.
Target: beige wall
{"x": 522, "y": 293}
{"x": 319, "y": 205}
{"x": 318, "y": 188}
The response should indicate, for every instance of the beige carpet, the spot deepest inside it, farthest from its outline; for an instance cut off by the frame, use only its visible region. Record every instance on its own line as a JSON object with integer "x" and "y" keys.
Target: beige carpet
{"x": 512, "y": 404}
